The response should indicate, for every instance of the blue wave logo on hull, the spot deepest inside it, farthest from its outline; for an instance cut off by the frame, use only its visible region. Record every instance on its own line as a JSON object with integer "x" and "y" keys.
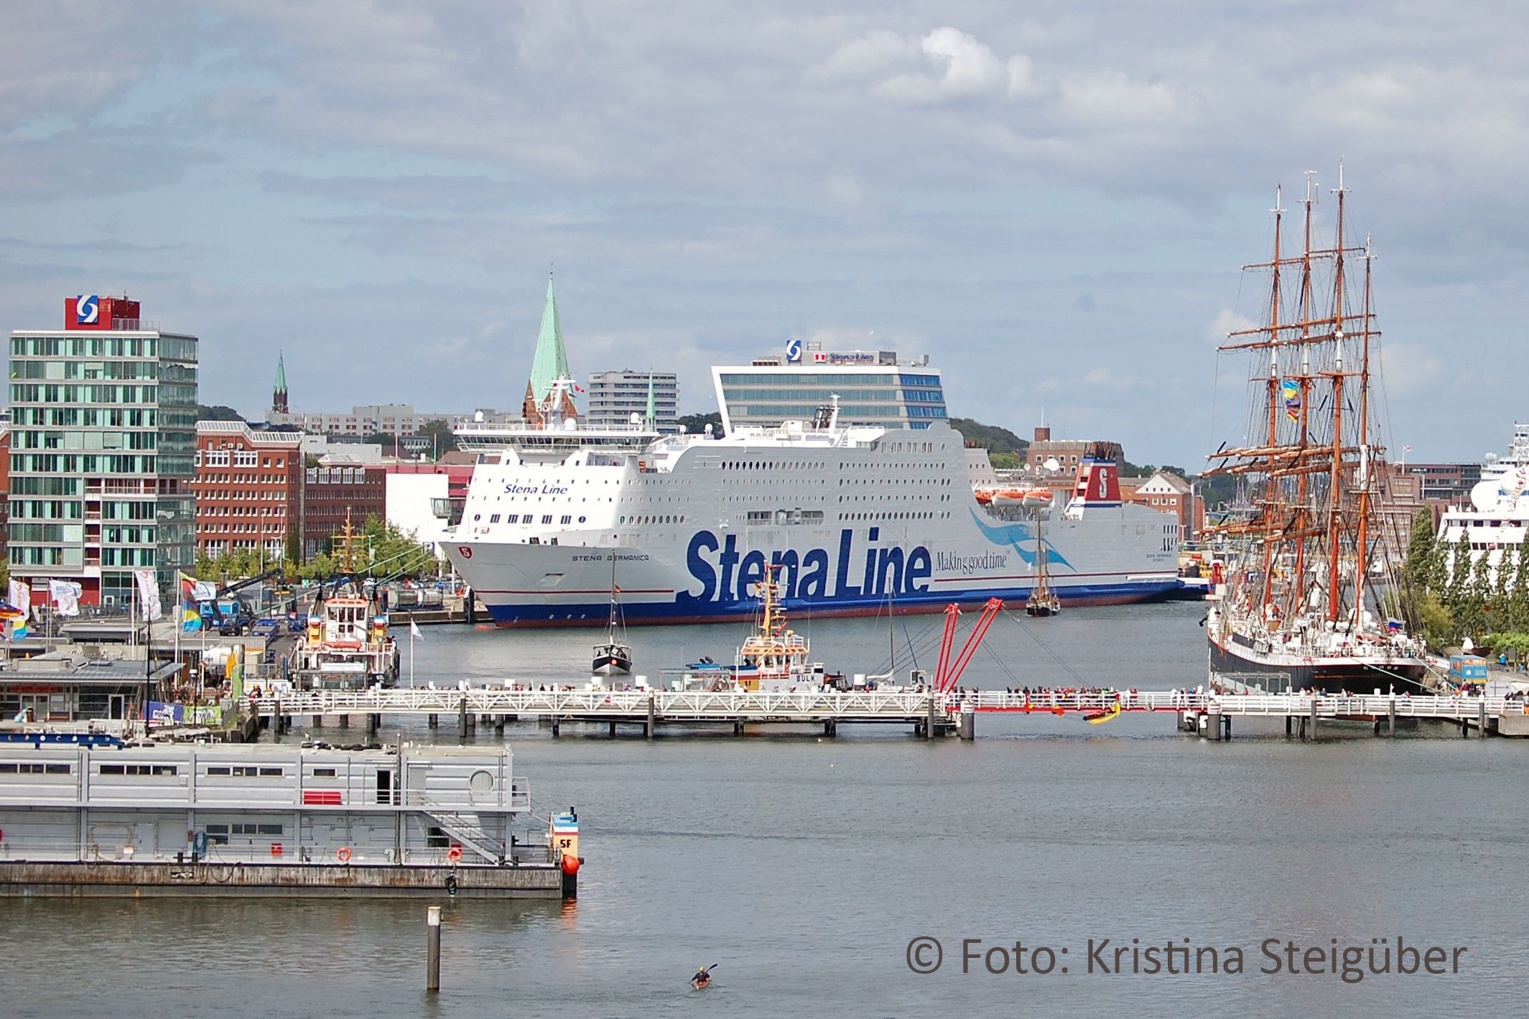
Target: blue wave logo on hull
{"x": 1021, "y": 539}
{"x": 877, "y": 572}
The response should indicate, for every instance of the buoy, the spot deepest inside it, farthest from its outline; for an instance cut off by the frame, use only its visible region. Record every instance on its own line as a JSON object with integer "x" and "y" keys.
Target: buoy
{"x": 343, "y": 855}
{"x": 454, "y": 854}
{"x": 570, "y": 864}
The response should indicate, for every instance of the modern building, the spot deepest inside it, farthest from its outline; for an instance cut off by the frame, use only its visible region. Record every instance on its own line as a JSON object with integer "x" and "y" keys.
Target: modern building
{"x": 426, "y": 499}
{"x": 872, "y": 388}
{"x": 249, "y": 488}
{"x": 334, "y": 495}
{"x": 615, "y": 398}
{"x": 103, "y": 447}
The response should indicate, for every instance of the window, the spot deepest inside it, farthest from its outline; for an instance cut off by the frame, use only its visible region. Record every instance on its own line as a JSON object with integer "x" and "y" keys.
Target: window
{"x": 323, "y": 773}
{"x": 157, "y": 770}
{"x": 29, "y": 768}
{"x": 494, "y": 519}
{"x": 435, "y": 838}
{"x": 256, "y": 829}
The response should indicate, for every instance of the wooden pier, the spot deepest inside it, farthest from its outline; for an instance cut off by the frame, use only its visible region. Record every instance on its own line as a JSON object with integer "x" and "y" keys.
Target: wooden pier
{"x": 928, "y": 713}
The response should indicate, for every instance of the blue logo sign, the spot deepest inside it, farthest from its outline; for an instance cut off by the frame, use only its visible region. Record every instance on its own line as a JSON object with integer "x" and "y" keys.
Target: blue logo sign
{"x": 87, "y": 310}
{"x": 727, "y": 574}
{"x": 793, "y": 350}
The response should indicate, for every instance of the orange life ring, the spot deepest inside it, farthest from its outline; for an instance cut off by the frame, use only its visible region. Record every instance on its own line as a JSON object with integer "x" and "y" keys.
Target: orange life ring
{"x": 343, "y": 854}
{"x": 454, "y": 854}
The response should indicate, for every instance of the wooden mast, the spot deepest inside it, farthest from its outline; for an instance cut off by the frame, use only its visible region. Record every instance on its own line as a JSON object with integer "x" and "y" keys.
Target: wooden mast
{"x": 1335, "y": 477}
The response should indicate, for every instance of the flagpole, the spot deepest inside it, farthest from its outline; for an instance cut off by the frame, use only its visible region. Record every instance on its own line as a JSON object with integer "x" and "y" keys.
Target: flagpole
{"x": 411, "y": 650}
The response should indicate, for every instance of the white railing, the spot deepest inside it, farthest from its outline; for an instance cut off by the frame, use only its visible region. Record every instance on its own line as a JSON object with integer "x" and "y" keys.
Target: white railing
{"x": 882, "y": 703}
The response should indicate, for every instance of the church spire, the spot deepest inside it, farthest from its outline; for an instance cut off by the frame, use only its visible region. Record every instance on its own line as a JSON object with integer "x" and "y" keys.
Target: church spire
{"x": 549, "y": 365}
{"x": 279, "y": 392}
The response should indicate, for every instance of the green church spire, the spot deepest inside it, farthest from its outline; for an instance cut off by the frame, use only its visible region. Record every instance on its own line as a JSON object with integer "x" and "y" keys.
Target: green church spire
{"x": 551, "y": 360}
{"x": 279, "y": 392}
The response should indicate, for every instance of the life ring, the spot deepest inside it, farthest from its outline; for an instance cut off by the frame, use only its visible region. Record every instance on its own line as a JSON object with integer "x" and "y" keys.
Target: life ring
{"x": 343, "y": 855}
{"x": 454, "y": 854}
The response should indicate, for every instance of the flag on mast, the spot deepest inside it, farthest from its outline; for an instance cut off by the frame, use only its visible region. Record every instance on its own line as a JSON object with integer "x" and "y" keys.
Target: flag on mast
{"x": 414, "y": 633}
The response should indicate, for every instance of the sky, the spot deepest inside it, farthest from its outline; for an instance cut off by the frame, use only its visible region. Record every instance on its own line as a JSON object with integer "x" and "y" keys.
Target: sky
{"x": 1054, "y": 202}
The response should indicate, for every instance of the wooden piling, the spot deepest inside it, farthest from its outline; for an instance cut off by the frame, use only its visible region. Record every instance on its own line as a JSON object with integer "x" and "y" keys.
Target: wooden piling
{"x": 1391, "y": 718}
{"x": 433, "y": 949}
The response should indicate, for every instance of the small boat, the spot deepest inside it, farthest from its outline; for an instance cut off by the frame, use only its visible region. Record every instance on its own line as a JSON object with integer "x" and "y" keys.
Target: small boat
{"x": 1043, "y": 600}
{"x": 1100, "y": 717}
{"x": 614, "y": 656}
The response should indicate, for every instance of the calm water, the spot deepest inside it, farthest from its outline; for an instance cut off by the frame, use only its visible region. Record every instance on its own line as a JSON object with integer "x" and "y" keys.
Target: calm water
{"x": 804, "y": 866}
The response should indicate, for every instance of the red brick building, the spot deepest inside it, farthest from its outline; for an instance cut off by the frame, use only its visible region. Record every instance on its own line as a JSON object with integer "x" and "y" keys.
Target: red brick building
{"x": 249, "y": 488}
{"x": 1168, "y": 493}
{"x": 331, "y": 493}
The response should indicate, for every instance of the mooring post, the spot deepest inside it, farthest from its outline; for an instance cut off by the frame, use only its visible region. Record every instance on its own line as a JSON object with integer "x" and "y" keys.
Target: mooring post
{"x": 556, "y": 726}
{"x": 1481, "y": 716}
{"x": 344, "y": 720}
{"x": 1312, "y": 728}
{"x": 373, "y": 723}
{"x": 433, "y": 951}
{"x": 276, "y": 723}
{"x": 462, "y": 718}
{"x": 968, "y": 730}
{"x": 929, "y": 720}
{"x": 1213, "y": 727}
{"x": 647, "y": 730}
{"x": 1391, "y": 718}
{"x": 433, "y": 720}
{"x": 1288, "y": 720}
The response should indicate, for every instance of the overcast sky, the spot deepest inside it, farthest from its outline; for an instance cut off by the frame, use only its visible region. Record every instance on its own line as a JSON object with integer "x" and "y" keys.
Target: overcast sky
{"x": 1052, "y": 201}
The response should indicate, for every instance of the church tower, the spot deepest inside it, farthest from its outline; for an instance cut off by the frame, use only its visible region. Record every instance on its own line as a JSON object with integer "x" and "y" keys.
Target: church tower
{"x": 549, "y": 372}
{"x": 279, "y": 393}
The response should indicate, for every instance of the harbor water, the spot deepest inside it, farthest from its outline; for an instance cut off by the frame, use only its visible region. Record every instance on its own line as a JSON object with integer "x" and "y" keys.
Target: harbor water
{"x": 807, "y": 867}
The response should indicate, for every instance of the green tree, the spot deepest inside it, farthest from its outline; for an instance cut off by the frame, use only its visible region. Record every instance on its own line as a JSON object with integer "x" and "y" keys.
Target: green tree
{"x": 992, "y": 438}
{"x": 696, "y": 424}
{"x": 442, "y": 439}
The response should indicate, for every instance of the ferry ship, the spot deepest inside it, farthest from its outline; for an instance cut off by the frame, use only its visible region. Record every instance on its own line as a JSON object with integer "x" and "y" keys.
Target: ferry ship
{"x": 1495, "y": 521}
{"x": 862, "y": 515}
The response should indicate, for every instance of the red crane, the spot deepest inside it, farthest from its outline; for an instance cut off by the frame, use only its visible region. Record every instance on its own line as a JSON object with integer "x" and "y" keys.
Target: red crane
{"x": 946, "y": 673}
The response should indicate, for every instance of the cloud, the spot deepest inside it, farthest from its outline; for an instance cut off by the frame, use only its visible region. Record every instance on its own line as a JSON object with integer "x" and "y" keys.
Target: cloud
{"x": 1410, "y": 368}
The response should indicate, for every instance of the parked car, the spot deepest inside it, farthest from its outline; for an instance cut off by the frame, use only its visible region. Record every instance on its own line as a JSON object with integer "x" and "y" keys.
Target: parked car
{"x": 266, "y": 627}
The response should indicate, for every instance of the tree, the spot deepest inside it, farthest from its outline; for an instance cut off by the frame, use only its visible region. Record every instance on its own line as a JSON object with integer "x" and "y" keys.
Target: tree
{"x": 442, "y": 438}
{"x": 696, "y": 423}
{"x": 990, "y": 437}
{"x": 217, "y": 412}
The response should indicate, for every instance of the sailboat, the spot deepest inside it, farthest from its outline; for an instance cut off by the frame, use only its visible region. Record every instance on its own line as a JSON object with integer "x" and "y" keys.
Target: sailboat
{"x": 614, "y": 656}
{"x": 1300, "y": 607}
{"x": 1043, "y": 600}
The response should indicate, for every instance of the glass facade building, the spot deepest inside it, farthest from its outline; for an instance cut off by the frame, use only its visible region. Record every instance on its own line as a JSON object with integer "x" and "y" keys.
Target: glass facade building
{"x": 891, "y": 396}
{"x": 615, "y": 396}
{"x": 103, "y": 448}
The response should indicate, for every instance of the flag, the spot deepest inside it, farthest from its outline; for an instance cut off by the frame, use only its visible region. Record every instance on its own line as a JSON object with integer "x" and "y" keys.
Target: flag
{"x": 191, "y": 613}
{"x": 65, "y": 595}
{"x": 148, "y": 594}
{"x": 1406, "y": 449}
{"x": 21, "y": 597}
{"x": 414, "y": 633}
{"x": 1290, "y": 392}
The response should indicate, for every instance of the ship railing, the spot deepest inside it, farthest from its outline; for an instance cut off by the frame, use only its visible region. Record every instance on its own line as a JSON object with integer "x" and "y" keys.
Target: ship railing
{"x": 466, "y": 828}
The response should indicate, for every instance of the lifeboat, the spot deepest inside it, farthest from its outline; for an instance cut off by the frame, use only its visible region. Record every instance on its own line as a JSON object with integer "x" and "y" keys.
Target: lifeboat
{"x": 1008, "y": 497}
{"x": 1038, "y": 497}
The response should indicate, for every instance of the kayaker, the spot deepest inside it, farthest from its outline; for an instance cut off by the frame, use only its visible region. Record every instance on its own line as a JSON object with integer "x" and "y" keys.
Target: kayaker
{"x": 702, "y": 978}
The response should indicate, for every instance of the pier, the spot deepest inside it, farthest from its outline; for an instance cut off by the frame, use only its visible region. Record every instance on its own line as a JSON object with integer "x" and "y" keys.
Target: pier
{"x": 928, "y": 713}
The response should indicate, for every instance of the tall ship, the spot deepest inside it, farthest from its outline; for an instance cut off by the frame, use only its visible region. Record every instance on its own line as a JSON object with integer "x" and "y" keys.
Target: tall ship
{"x": 1304, "y": 573}
{"x": 853, "y": 484}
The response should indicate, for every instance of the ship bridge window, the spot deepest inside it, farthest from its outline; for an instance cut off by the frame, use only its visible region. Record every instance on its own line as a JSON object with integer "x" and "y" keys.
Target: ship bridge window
{"x": 547, "y": 519}
{"x": 494, "y": 519}
{"x": 566, "y": 519}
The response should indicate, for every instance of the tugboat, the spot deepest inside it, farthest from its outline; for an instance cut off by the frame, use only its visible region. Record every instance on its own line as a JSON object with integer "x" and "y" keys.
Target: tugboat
{"x": 346, "y": 645}
{"x": 1043, "y": 600}
{"x": 776, "y": 657}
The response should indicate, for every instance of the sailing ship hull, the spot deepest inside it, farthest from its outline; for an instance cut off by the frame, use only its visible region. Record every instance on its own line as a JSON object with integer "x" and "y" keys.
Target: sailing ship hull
{"x": 612, "y": 660}
{"x": 1233, "y": 661}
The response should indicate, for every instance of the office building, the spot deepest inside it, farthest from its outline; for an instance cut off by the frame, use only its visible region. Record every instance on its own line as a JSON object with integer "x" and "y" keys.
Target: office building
{"x": 103, "y": 446}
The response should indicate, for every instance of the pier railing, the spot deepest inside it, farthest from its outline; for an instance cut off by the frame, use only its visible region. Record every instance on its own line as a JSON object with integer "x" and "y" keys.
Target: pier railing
{"x": 888, "y": 704}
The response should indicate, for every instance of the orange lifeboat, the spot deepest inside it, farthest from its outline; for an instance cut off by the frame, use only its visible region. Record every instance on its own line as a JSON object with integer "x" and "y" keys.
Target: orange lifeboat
{"x": 1038, "y": 497}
